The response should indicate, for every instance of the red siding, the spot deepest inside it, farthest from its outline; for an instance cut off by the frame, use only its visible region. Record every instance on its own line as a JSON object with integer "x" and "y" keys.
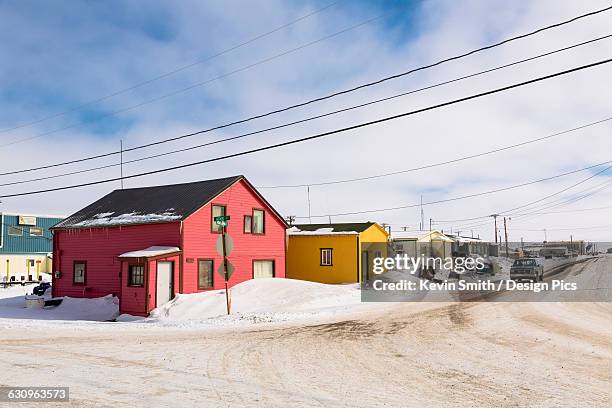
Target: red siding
{"x": 199, "y": 241}
{"x": 100, "y": 247}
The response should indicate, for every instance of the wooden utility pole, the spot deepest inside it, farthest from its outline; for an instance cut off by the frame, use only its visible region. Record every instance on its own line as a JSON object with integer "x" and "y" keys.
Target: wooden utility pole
{"x": 121, "y": 156}
{"x": 506, "y": 236}
{"x": 495, "y": 218}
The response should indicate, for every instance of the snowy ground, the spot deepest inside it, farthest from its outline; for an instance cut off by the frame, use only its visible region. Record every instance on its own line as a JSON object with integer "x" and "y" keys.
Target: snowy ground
{"x": 395, "y": 355}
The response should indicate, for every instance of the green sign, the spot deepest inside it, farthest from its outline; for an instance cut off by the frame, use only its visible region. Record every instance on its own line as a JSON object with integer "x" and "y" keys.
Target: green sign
{"x": 222, "y": 220}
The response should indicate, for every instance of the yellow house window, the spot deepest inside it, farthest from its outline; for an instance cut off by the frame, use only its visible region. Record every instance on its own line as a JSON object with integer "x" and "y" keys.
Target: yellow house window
{"x": 326, "y": 256}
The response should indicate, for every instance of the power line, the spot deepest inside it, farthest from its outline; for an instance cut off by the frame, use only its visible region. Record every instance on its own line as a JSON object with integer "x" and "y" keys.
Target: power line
{"x": 527, "y": 215}
{"x": 345, "y": 110}
{"x": 460, "y": 197}
{"x": 202, "y": 83}
{"x": 324, "y": 134}
{"x": 311, "y": 101}
{"x": 170, "y": 73}
{"x": 508, "y": 212}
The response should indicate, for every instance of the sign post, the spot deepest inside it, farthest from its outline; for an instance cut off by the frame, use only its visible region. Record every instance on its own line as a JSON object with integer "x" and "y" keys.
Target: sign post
{"x": 226, "y": 247}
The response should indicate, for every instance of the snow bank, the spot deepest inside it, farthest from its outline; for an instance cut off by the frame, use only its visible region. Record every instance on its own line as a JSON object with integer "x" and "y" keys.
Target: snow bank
{"x": 261, "y": 300}
{"x": 12, "y": 306}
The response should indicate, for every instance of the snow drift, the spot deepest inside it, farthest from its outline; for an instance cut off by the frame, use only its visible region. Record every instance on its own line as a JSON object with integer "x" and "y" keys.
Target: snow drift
{"x": 270, "y": 299}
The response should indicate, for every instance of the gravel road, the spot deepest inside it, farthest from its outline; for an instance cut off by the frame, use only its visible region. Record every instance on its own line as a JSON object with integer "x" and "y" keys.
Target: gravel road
{"x": 406, "y": 355}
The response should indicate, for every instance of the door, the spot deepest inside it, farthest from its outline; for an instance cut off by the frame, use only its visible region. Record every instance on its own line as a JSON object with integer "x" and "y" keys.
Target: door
{"x": 164, "y": 283}
{"x": 263, "y": 269}
{"x": 365, "y": 265}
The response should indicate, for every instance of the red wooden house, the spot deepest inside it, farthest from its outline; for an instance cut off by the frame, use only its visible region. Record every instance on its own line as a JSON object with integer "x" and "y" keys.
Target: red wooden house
{"x": 146, "y": 244}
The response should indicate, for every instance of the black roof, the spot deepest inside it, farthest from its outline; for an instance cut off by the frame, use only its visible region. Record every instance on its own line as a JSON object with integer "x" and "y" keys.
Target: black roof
{"x": 145, "y": 205}
{"x": 339, "y": 227}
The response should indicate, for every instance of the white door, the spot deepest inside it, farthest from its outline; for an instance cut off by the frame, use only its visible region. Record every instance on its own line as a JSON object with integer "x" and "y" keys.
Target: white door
{"x": 164, "y": 282}
{"x": 263, "y": 269}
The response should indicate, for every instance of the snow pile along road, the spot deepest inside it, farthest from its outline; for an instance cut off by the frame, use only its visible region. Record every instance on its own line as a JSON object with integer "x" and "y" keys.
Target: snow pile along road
{"x": 261, "y": 300}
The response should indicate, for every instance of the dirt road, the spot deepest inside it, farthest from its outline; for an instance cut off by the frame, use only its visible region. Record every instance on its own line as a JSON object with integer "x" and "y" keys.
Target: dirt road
{"x": 408, "y": 355}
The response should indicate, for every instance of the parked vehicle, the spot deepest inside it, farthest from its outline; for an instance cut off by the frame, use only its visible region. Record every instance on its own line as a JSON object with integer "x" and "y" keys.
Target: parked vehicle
{"x": 41, "y": 289}
{"x": 526, "y": 269}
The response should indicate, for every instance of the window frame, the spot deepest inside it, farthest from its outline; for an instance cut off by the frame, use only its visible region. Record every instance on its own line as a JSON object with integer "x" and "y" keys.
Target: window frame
{"x": 331, "y": 256}
{"x": 250, "y": 224}
{"x": 130, "y": 275}
{"x": 212, "y": 275}
{"x": 42, "y": 232}
{"x": 263, "y": 260}
{"x": 15, "y": 227}
{"x": 263, "y": 224}
{"x": 212, "y": 216}
{"x": 74, "y": 264}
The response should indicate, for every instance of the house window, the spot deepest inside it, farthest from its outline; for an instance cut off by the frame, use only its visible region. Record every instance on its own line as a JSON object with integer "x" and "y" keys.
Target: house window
{"x": 248, "y": 223}
{"x": 205, "y": 274}
{"x": 263, "y": 269}
{"x": 15, "y": 231}
{"x": 326, "y": 256}
{"x": 258, "y": 222}
{"x": 78, "y": 272}
{"x": 136, "y": 275}
{"x": 217, "y": 211}
{"x": 36, "y": 232}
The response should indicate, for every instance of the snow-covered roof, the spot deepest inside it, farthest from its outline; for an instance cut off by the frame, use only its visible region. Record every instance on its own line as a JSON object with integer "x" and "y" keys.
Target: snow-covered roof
{"x": 151, "y": 252}
{"x": 320, "y": 231}
{"x": 435, "y": 236}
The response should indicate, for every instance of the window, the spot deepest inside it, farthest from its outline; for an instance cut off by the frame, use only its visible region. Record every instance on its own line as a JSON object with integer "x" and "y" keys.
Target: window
{"x": 258, "y": 222}
{"x": 217, "y": 211}
{"x": 263, "y": 269}
{"x": 326, "y": 256}
{"x": 136, "y": 275}
{"x": 78, "y": 272}
{"x": 248, "y": 223}
{"x": 205, "y": 274}
{"x": 15, "y": 231}
{"x": 36, "y": 232}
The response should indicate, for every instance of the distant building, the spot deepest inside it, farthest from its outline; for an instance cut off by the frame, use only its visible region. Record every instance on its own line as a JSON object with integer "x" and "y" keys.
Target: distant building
{"x": 334, "y": 253}
{"x": 26, "y": 245}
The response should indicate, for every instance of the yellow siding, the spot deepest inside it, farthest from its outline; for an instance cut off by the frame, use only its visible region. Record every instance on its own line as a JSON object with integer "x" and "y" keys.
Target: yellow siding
{"x": 18, "y": 266}
{"x": 304, "y": 263}
{"x": 374, "y": 235}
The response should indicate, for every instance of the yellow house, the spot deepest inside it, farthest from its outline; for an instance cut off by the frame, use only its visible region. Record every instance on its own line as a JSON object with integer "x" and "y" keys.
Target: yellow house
{"x": 334, "y": 253}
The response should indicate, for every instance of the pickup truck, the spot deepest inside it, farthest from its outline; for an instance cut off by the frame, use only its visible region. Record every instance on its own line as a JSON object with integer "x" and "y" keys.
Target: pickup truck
{"x": 526, "y": 269}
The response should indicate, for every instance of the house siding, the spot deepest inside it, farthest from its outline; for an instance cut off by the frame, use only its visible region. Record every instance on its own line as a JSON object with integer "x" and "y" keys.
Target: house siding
{"x": 100, "y": 247}
{"x": 199, "y": 242}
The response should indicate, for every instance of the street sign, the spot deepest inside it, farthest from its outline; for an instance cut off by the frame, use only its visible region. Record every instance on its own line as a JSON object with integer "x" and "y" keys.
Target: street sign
{"x": 222, "y": 220}
{"x": 230, "y": 270}
{"x": 229, "y": 245}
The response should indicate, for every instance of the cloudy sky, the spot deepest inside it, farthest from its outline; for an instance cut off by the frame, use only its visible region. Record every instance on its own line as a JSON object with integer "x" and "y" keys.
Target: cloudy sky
{"x": 76, "y": 78}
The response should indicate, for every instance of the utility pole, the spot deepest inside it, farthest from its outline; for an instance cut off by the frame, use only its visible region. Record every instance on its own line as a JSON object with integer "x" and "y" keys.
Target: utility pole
{"x": 121, "y": 158}
{"x": 506, "y": 236}
{"x": 545, "y": 236}
{"x": 422, "y": 215}
{"x": 495, "y": 218}
{"x": 571, "y": 244}
{"x": 430, "y": 225}
{"x": 309, "y": 219}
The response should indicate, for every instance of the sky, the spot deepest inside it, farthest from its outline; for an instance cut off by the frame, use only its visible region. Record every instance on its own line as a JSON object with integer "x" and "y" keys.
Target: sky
{"x": 77, "y": 78}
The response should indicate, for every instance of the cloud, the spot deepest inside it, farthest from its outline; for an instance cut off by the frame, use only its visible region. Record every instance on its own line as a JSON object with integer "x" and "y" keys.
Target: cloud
{"x": 64, "y": 57}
